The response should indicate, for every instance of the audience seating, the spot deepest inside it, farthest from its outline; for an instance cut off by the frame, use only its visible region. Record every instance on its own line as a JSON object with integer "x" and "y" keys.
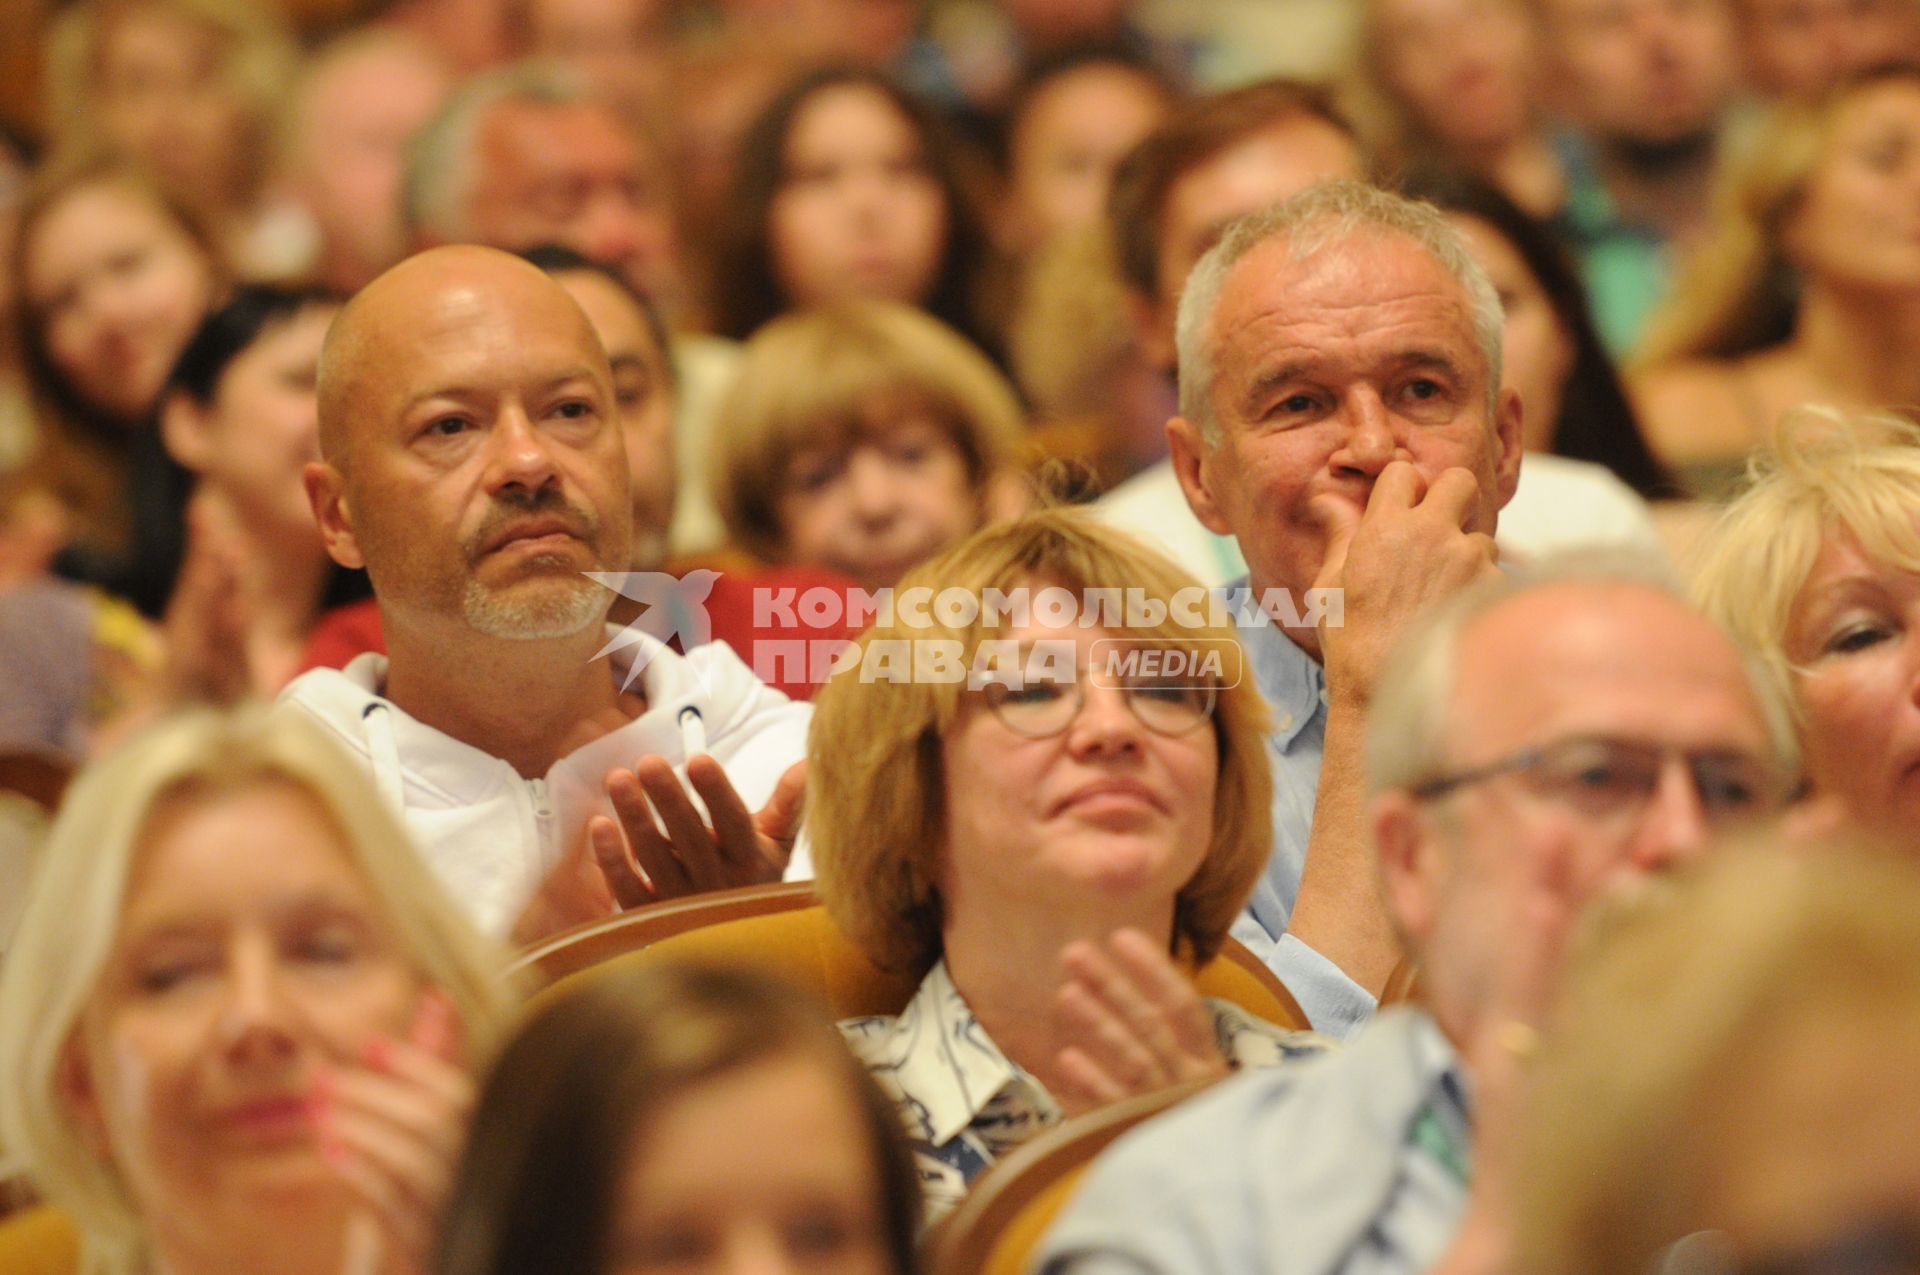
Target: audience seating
{"x": 39, "y": 1241}
{"x": 997, "y": 1228}
{"x": 781, "y": 928}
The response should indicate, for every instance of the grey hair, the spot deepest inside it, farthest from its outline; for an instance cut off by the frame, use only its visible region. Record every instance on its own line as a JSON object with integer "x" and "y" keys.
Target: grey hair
{"x": 1324, "y": 215}
{"x": 1408, "y": 724}
{"x": 439, "y": 171}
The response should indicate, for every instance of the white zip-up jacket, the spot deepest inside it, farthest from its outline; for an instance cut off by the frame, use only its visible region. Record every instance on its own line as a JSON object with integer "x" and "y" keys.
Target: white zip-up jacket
{"x": 492, "y": 836}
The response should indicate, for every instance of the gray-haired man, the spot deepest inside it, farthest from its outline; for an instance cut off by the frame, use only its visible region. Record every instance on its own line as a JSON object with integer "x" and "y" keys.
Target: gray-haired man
{"x": 1536, "y": 746}
{"x": 1341, "y": 418}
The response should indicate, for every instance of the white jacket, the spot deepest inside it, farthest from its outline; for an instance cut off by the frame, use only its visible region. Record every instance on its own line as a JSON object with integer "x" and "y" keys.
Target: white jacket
{"x": 492, "y": 836}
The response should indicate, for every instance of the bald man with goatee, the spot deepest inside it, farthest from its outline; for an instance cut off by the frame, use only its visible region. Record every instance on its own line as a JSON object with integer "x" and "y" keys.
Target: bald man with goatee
{"x": 472, "y": 462}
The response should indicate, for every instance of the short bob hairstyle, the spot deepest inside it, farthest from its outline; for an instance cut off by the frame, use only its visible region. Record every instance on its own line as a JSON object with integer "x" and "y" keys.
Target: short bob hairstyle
{"x": 875, "y": 801}
{"x": 73, "y": 910}
{"x": 587, "y": 1072}
{"x": 746, "y": 290}
{"x": 1739, "y": 292}
{"x": 1826, "y": 475}
{"x": 829, "y": 375}
{"x": 1662, "y": 1044}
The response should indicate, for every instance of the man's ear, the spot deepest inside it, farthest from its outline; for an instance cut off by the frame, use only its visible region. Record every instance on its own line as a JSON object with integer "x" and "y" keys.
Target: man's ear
{"x": 185, "y": 431}
{"x": 1188, "y": 452}
{"x": 1507, "y": 427}
{"x": 1407, "y": 843}
{"x": 326, "y": 494}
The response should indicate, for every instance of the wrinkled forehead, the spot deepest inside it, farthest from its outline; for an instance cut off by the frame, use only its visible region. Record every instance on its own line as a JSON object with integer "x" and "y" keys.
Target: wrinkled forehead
{"x": 1314, "y": 294}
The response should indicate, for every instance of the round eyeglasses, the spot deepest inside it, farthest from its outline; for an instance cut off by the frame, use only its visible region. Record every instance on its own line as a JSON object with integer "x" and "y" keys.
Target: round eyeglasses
{"x": 1038, "y": 709}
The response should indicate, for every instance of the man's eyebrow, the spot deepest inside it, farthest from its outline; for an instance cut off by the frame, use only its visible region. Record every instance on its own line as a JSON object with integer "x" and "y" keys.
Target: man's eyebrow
{"x": 464, "y": 393}
{"x": 1267, "y": 382}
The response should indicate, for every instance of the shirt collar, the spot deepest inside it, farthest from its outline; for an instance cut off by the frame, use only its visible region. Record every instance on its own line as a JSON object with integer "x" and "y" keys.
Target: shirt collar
{"x": 1291, "y": 681}
{"x": 948, "y": 1064}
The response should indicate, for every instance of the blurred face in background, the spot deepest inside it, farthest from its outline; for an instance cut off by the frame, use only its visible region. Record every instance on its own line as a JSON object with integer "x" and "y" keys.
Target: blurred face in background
{"x": 572, "y": 174}
{"x": 361, "y": 110}
{"x": 115, "y": 286}
{"x": 1262, "y": 168}
{"x": 1462, "y": 68}
{"x": 251, "y": 954}
{"x": 1641, "y": 72}
{"x": 1858, "y": 223}
{"x": 1853, "y": 641}
{"x": 1802, "y": 48}
{"x": 880, "y": 499}
{"x": 256, "y": 438}
{"x": 701, "y": 1194}
{"x": 643, "y": 400}
{"x": 164, "y": 96}
{"x": 617, "y": 46}
{"x": 1066, "y": 144}
{"x": 1536, "y": 350}
{"x": 859, "y": 212}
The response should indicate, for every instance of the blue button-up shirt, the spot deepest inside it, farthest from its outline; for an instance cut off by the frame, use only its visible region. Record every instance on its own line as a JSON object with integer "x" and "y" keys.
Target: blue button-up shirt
{"x": 1354, "y": 1163}
{"x": 1295, "y": 688}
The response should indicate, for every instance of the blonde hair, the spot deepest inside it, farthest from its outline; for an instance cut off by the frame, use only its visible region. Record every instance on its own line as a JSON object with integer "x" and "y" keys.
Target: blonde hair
{"x": 1669, "y": 1006}
{"x": 825, "y": 375}
{"x": 67, "y": 932}
{"x": 1738, "y": 292}
{"x": 876, "y": 805}
{"x": 258, "y": 59}
{"x": 1824, "y": 473}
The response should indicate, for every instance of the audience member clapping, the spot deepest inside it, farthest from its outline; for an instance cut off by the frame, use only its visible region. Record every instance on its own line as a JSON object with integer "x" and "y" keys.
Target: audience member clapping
{"x": 847, "y": 187}
{"x": 1816, "y": 568}
{"x": 679, "y": 1118}
{"x": 1806, "y": 290}
{"x": 236, "y": 1020}
{"x": 1727, "y": 1085}
{"x": 239, "y": 412}
{"x": 1047, "y": 840}
{"x": 863, "y": 437}
{"x": 113, "y": 280}
{"x": 186, "y": 88}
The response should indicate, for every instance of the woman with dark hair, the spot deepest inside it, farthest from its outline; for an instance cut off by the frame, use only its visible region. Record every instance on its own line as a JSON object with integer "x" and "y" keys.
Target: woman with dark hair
{"x": 239, "y": 414}
{"x": 847, "y": 187}
{"x": 681, "y": 1118}
{"x": 1575, "y": 405}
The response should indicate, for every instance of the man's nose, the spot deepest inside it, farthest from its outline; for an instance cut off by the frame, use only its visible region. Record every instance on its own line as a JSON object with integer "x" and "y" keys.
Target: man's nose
{"x": 1674, "y": 828}
{"x": 520, "y": 455}
{"x": 1371, "y": 443}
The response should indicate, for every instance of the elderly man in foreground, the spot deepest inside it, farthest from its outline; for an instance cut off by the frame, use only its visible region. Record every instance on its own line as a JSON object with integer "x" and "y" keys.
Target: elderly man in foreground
{"x": 1537, "y": 745}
